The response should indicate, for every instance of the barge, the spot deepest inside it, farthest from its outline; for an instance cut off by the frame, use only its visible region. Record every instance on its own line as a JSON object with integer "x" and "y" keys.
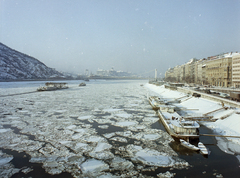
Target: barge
{"x": 156, "y": 102}
{"x": 178, "y": 127}
{"x": 50, "y": 86}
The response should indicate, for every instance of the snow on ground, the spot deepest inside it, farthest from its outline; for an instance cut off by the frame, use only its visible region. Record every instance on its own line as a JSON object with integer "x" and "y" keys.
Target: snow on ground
{"x": 229, "y": 125}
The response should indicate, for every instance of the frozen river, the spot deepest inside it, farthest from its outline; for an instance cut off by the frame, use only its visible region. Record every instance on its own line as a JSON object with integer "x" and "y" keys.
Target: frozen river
{"x": 106, "y": 129}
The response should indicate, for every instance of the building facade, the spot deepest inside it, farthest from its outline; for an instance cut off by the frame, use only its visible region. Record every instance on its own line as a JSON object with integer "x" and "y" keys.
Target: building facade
{"x": 221, "y": 70}
{"x": 236, "y": 71}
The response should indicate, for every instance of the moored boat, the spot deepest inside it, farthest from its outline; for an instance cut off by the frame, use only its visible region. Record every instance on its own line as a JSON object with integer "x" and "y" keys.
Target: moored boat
{"x": 203, "y": 149}
{"x": 155, "y": 102}
{"x": 177, "y": 127}
{"x": 188, "y": 145}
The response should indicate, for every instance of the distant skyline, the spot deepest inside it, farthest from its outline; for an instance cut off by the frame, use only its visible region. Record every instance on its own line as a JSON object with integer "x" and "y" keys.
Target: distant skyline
{"x": 130, "y": 35}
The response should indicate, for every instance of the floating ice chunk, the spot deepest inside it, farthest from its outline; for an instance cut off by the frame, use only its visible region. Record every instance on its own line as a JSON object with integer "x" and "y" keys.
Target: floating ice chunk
{"x": 27, "y": 170}
{"x": 151, "y": 136}
{"x": 166, "y": 175}
{"x": 50, "y": 164}
{"x": 124, "y": 115}
{"x": 4, "y": 130}
{"x": 77, "y": 136}
{"x": 140, "y": 127}
{"x": 102, "y": 146}
{"x": 103, "y": 121}
{"x": 126, "y": 123}
{"x": 23, "y": 111}
{"x": 238, "y": 157}
{"x": 138, "y": 136}
{"x": 149, "y": 156}
{"x": 73, "y": 116}
{"x": 84, "y": 117}
{"x": 133, "y": 104}
{"x": 76, "y": 159}
{"x": 16, "y": 121}
{"x": 107, "y": 175}
{"x": 153, "y": 158}
{"x": 121, "y": 164}
{"x": 95, "y": 139}
{"x": 119, "y": 139}
{"x": 53, "y": 167}
{"x": 109, "y": 135}
{"x": 65, "y": 142}
{"x": 125, "y": 134}
{"x": 5, "y": 160}
{"x": 111, "y": 110}
{"x": 82, "y": 130}
{"x": 82, "y": 147}
{"x": 60, "y": 111}
{"x": 93, "y": 165}
{"x": 103, "y": 126}
{"x": 37, "y": 159}
{"x": 102, "y": 155}
{"x": 71, "y": 127}
{"x": 228, "y": 147}
{"x": 151, "y": 119}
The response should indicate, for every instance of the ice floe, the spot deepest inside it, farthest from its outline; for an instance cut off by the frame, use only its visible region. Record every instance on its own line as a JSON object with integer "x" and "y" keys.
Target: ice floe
{"x": 93, "y": 165}
{"x": 97, "y": 132}
{"x": 149, "y": 156}
{"x": 125, "y": 123}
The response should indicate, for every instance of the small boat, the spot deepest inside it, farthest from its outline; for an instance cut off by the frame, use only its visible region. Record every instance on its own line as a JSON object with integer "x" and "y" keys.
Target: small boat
{"x": 188, "y": 145}
{"x": 203, "y": 149}
{"x": 82, "y": 84}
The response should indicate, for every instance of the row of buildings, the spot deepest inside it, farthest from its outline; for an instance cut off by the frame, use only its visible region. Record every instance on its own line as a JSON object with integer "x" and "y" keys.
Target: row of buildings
{"x": 113, "y": 73}
{"x": 221, "y": 70}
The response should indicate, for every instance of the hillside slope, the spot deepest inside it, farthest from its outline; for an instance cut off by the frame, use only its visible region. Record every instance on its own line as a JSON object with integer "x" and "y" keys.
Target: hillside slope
{"x": 16, "y": 65}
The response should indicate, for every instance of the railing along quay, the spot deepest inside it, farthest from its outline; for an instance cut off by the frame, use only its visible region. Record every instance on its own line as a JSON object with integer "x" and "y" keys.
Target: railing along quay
{"x": 210, "y": 97}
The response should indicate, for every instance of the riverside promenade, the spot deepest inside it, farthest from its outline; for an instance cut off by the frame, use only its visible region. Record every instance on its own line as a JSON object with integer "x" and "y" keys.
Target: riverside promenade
{"x": 210, "y": 97}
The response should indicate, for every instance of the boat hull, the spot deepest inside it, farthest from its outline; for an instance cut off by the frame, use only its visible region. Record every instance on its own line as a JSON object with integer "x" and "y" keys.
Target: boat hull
{"x": 203, "y": 149}
{"x": 171, "y": 131}
{"x": 188, "y": 145}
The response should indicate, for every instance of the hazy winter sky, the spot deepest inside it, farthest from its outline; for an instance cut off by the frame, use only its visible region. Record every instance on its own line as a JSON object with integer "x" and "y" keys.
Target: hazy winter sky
{"x": 129, "y": 35}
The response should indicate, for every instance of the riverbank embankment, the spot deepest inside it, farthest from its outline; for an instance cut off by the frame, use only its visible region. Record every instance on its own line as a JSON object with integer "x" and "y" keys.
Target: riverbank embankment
{"x": 227, "y": 120}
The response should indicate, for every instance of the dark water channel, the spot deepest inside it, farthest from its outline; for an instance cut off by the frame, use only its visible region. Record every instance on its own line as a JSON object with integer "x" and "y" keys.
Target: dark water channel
{"x": 216, "y": 164}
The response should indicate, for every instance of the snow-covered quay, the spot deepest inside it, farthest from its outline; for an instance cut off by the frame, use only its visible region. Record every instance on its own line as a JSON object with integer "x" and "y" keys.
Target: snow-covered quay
{"x": 106, "y": 129}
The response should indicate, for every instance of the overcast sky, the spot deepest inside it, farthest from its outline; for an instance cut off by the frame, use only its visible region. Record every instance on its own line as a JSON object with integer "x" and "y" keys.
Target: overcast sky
{"x": 129, "y": 35}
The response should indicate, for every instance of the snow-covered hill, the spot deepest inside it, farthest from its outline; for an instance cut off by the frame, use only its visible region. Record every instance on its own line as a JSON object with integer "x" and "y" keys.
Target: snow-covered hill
{"x": 16, "y": 65}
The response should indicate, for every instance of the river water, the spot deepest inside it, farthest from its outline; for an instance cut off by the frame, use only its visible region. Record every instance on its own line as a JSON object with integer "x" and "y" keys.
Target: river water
{"x": 105, "y": 129}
